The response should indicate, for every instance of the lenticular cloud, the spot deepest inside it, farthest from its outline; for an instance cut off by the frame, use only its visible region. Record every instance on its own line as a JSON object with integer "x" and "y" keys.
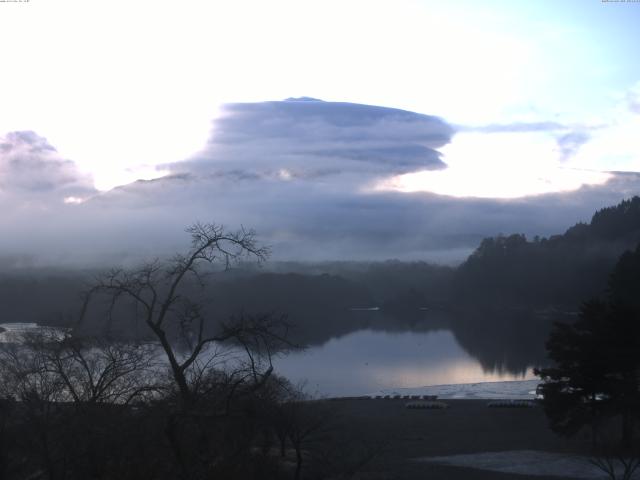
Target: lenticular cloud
{"x": 310, "y": 138}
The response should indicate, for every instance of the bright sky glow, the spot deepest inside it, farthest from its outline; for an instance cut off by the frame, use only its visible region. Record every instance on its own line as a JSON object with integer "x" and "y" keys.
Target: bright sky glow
{"x": 123, "y": 87}
{"x": 497, "y": 165}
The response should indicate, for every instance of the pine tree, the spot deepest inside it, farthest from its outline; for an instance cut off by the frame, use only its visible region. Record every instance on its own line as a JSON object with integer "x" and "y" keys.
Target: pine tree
{"x": 596, "y": 372}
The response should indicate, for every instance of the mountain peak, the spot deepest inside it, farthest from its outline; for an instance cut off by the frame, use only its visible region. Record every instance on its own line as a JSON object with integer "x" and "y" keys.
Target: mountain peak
{"x": 302, "y": 99}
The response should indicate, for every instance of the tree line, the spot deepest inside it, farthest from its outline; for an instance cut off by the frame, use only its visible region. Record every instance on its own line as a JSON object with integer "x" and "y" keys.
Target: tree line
{"x": 560, "y": 270}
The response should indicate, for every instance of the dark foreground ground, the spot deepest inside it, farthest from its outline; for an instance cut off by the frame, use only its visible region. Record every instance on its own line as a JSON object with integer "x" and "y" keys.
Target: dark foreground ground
{"x": 396, "y": 436}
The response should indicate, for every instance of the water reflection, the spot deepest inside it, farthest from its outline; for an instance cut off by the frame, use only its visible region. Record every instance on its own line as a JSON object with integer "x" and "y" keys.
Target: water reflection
{"x": 13, "y": 332}
{"x": 366, "y": 361}
{"x": 372, "y": 352}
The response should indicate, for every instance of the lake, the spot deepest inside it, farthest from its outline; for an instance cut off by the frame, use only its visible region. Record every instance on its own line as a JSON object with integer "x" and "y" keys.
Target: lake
{"x": 367, "y": 361}
{"x": 370, "y": 360}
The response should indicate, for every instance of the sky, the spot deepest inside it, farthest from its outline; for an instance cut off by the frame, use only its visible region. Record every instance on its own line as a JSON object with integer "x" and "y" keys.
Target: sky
{"x": 412, "y": 129}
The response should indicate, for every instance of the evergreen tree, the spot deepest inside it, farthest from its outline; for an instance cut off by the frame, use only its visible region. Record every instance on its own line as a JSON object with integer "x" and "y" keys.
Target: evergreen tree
{"x": 596, "y": 372}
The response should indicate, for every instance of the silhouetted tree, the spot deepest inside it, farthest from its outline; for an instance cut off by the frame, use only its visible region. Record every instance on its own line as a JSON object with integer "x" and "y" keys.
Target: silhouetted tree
{"x": 163, "y": 292}
{"x": 72, "y": 402}
{"x": 211, "y": 415}
{"x": 597, "y": 360}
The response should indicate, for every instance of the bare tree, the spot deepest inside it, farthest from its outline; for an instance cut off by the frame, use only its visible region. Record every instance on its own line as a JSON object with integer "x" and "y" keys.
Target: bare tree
{"x": 60, "y": 368}
{"x": 25, "y": 374}
{"x": 616, "y": 466}
{"x": 202, "y": 384}
{"x": 616, "y": 460}
{"x": 305, "y": 423}
{"x": 72, "y": 396}
{"x": 180, "y": 323}
{"x": 100, "y": 371}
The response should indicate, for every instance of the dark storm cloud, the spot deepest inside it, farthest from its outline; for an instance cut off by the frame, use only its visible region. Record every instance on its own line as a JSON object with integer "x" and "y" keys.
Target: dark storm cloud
{"x": 30, "y": 165}
{"x": 311, "y": 138}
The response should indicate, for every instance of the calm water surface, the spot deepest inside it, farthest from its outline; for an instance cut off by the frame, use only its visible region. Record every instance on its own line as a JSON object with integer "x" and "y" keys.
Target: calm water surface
{"x": 366, "y": 361}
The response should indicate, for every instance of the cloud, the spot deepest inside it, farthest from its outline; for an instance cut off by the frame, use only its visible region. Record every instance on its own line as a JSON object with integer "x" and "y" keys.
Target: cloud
{"x": 298, "y": 172}
{"x": 633, "y": 99}
{"x": 570, "y": 143}
{"x": 569, "y": 138}
{"x": 307, "y": 219}
{"x": 517, "y": 127}
{"x": 30, "y": 166}
{"x": 311, "y": 138}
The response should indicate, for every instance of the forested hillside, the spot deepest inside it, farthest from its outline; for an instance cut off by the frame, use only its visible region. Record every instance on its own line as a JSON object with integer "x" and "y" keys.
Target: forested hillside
{"x": 561, "y": 270}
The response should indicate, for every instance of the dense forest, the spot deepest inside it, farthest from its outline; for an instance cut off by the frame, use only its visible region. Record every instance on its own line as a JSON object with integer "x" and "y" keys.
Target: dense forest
{"x": 561, "y": 270}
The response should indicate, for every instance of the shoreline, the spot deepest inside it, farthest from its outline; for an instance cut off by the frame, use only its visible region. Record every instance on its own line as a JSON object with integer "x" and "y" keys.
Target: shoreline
{"x": 500, "y": 390}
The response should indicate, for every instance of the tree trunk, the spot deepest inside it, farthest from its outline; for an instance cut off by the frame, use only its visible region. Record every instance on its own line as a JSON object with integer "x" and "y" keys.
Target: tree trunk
{"x": 172, "y": 435}
{"x": 283, "y": 452}
{"x": 298, "y": 462}
{"x": 178, "y": 373}
{"x": 627, "y": 429}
